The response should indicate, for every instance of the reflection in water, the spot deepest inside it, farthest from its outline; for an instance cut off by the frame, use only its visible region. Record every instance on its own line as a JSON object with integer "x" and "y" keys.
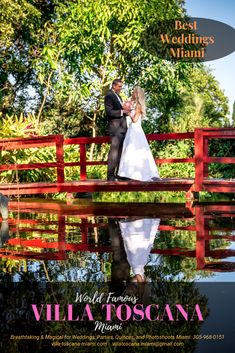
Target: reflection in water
{"x": 105, "y": 247}
{"x": 4, "y": 233}
{"x": 4, "y": 206}
{"x": 138, "y": 237}
{"x": 120, "y": 269}
{"x": 101, "y": 242}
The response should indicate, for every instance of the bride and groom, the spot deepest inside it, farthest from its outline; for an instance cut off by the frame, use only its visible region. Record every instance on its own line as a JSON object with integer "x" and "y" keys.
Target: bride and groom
{"x": 129, "y": 157}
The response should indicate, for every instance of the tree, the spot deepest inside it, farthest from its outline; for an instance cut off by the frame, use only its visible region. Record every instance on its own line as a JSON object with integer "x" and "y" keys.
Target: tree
{"x": 233, "y": 114}
{"x": 203, "y": 104}
{"x": 99, "y": 41}
{"x": 69, "y": 52}
{"x": 20, "y": 41}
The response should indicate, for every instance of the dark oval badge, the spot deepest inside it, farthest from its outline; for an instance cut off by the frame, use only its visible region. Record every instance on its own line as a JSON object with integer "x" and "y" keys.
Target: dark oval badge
{"x": 190, "y": 39}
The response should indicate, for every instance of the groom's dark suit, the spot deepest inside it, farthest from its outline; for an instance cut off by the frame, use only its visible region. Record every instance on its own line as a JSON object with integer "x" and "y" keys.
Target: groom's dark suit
{"x": 117, "y": 130}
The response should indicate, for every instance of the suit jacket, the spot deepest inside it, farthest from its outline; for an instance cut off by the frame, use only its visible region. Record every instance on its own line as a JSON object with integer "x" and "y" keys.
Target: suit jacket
{"x": 112, "y": 106}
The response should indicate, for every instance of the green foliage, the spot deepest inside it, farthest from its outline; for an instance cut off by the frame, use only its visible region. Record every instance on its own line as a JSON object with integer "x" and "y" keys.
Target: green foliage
{"x": 202, "y": 105}
{"x": 233, "y": 114}
{"x": 20, "y": 21}
{"x": 17, "y": 126}
{"x": 24, "y": 126}
{"x": 139, "y": 197}
{"x": 222, "y": 148}
{"x": 175, "y": 149}
{"x": 102, "y": 40}
{"x": 71, "y": 52}
{"x": 57, "y": 60}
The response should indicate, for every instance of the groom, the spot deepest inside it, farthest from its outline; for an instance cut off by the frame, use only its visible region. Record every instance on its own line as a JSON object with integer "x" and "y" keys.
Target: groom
{"x": 117, "y": 127}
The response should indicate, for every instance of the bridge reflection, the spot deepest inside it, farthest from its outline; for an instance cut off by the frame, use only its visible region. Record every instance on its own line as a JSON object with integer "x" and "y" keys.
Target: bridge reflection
{"x": 54, "y": 231}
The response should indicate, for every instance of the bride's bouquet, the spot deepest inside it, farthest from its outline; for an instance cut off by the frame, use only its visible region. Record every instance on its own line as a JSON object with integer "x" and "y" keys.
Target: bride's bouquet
{"x": 128, "y": 105}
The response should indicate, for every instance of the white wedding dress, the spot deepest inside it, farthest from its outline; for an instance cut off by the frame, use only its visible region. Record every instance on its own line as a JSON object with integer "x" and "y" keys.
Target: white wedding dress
{"x": 137, "y": 161}
{"x": 138, "y": 237}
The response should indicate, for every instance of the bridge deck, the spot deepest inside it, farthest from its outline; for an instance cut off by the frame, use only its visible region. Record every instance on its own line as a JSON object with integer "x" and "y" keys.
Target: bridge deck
{"x": 110, "y": 209}
{"x": 97, "y": 185}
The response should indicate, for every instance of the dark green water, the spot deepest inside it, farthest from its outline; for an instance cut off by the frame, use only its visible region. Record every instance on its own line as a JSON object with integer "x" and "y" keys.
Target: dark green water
{"x": 51, "y": 241}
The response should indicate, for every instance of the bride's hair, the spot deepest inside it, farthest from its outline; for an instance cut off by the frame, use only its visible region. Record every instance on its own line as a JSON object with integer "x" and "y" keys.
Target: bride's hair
{"x": 140, "y": 98}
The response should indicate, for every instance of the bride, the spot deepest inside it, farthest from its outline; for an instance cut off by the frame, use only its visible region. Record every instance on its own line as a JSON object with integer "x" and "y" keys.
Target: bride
{"x": 138, "y": 237}
{"x": 137, "y": 161}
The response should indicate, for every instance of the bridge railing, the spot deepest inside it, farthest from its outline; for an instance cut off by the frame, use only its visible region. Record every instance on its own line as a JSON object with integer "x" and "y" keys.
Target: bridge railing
{"x": 84, "y": 141}
{"x": 59, "y": 142}
{"x": 56, "y": 141}
{"x": 201, "y": 158}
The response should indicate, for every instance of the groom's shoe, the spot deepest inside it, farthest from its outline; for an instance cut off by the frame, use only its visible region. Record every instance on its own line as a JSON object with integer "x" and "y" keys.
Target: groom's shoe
{"x": 112, "y": 178}
{"x": 156, "y": 179}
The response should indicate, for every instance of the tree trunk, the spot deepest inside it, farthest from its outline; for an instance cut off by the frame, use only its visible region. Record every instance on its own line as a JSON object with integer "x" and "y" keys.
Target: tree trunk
{"x": 92, "y": 148}
{"x": 44, "y": 99}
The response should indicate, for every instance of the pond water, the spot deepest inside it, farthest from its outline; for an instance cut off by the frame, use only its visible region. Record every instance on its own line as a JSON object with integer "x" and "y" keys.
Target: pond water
{"x": 96, "y": 241}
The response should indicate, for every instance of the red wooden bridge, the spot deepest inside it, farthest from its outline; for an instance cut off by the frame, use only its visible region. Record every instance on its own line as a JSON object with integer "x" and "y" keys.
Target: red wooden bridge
{"x": 201, "y": 160}
{"x": 48, "y": 239}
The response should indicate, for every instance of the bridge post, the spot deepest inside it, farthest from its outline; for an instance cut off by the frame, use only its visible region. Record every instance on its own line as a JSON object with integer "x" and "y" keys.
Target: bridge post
{"x": 199, "y": 159}
{"x": 61, "y": 237}
{"x": 200, "y": 237}
{"x": 83, "y": 175}
{"x": 59, "y": 140}
{"x": 205, "y": 154}
{"x": 84, "y": 232}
